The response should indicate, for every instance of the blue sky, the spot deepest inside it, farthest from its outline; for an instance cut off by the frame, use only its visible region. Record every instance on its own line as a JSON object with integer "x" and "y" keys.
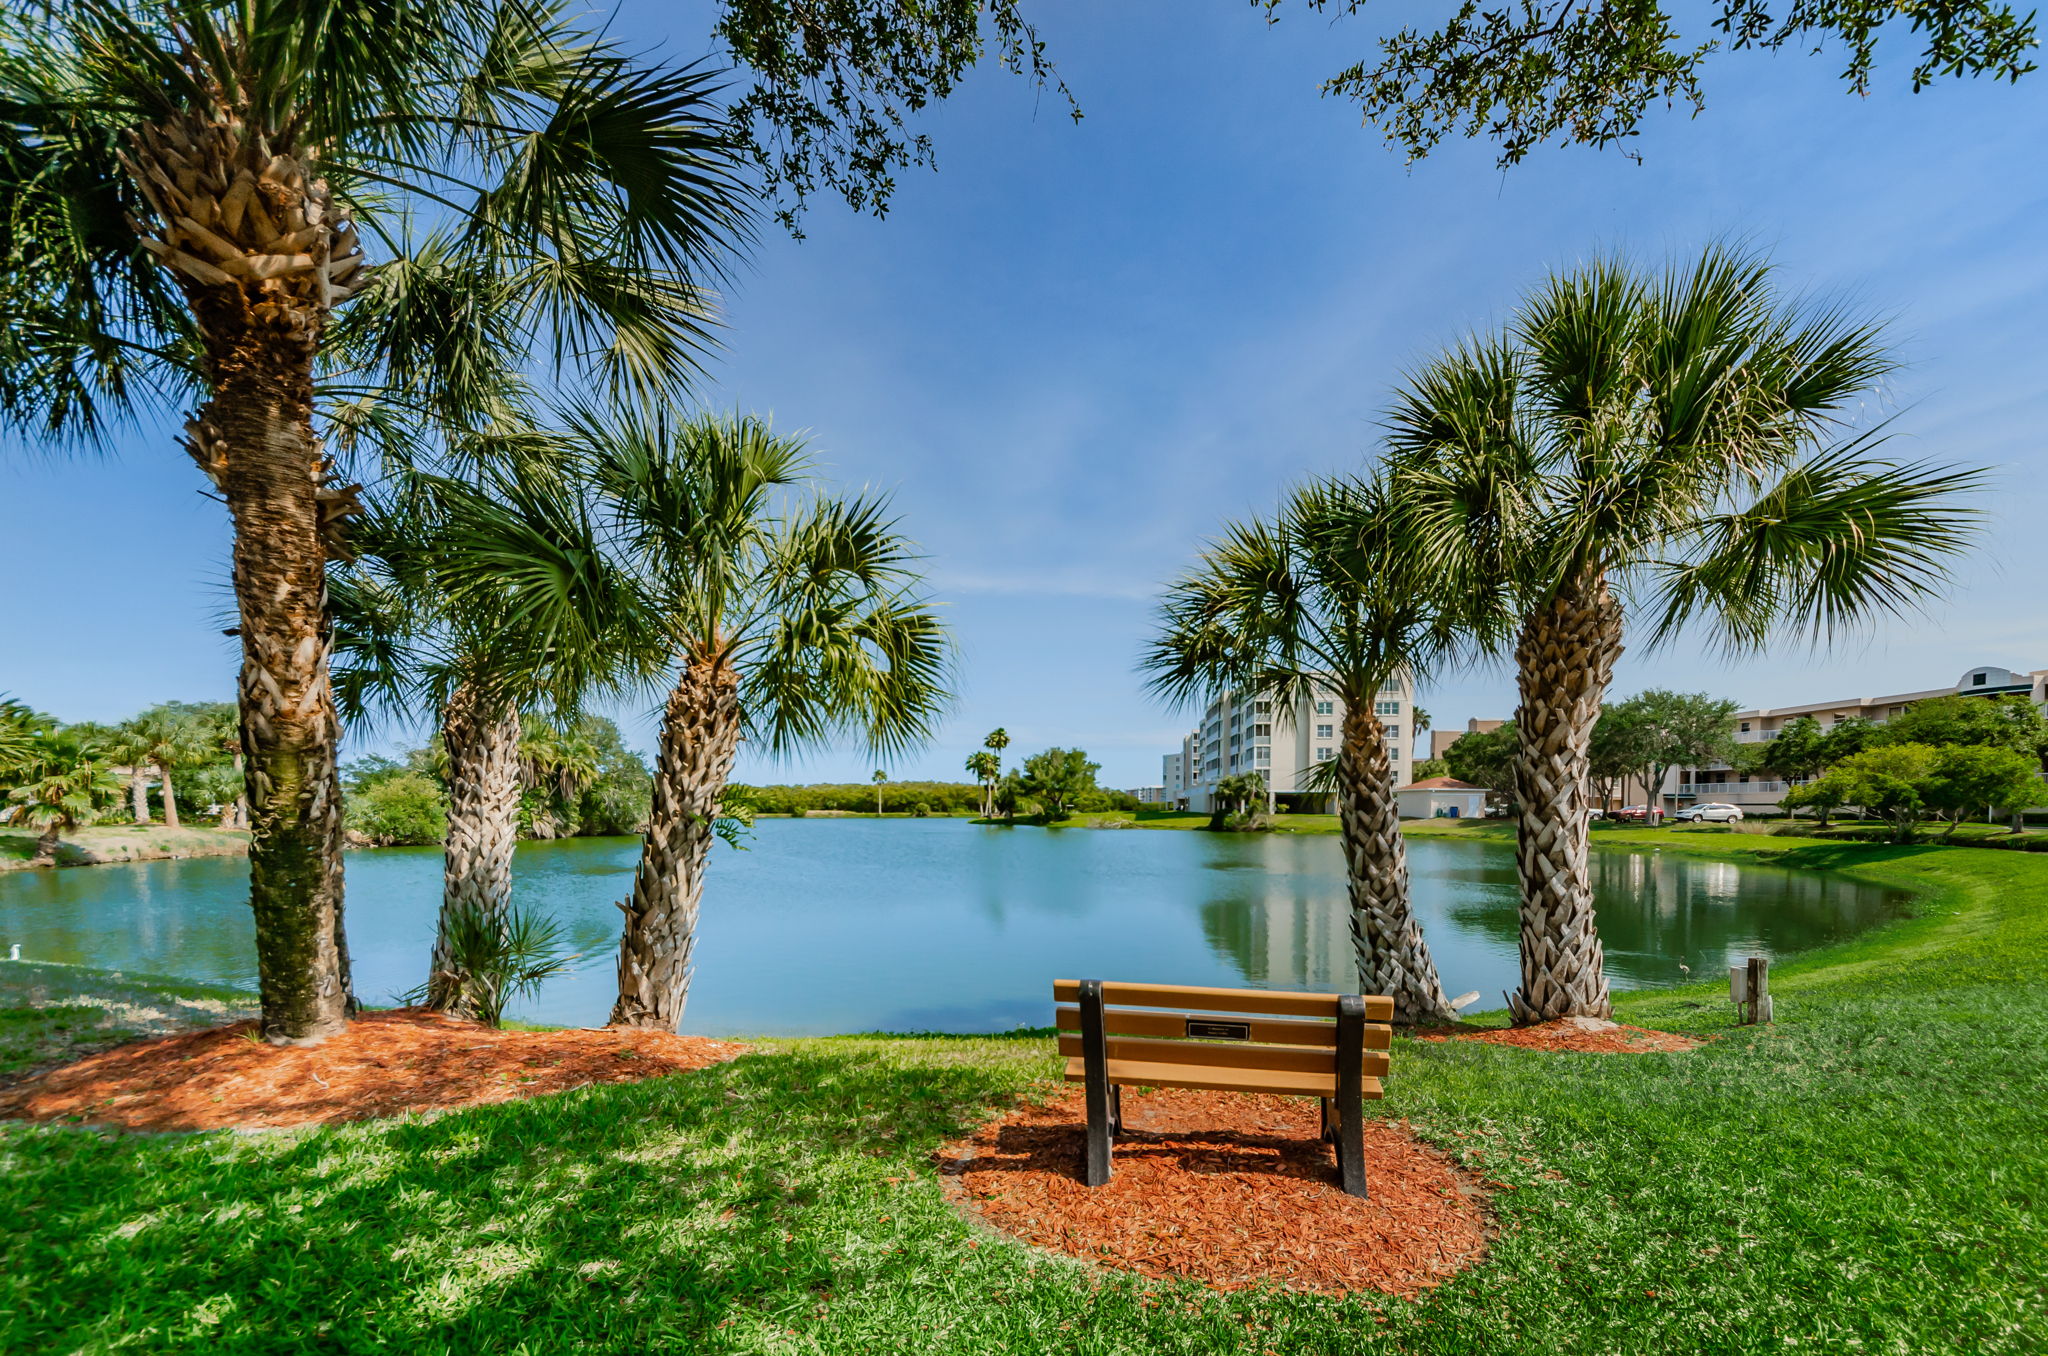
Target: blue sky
{"x": 1075, "y": 350}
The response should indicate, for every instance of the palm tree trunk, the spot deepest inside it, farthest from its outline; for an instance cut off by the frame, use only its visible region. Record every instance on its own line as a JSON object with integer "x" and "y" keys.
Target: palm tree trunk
{"x": 257, "y": 434}
{"x": 1393, "y": 958}
{"x": 481, "y": 734}
{"x": 1563, "y": 664}
{"x": 138, "y": 793}
{"x": 249, "y": 236}
{"x": 163, "y": 774}
{"x": 236, "y": 816}
{"x": 700, "y": 734}
{"x": 47, "y": 843}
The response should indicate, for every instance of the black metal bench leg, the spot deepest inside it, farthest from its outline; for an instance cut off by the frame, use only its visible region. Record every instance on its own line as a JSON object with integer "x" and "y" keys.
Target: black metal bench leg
{"x": 1095, "y": 1080}
{"x": 1351, "y": 1094}
{"x": 1116, "y": 1112}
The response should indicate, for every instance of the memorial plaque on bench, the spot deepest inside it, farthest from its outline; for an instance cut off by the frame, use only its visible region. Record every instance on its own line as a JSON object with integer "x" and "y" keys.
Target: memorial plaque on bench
{"x": 1200, "y": 1029}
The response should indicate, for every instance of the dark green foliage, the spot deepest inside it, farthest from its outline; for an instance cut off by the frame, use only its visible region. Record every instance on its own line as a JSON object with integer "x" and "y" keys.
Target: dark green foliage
{"x": 836, "y": 83}
{"x": 1905, "y": 784}
{"x": 406, "y": 810}
{"x": 1584, "y": 73}
{"x": 2008, "y": 722}
{"x": 944, "y": 798}
{"x": 500, "y": 957}
{"x": 1485, "y": 758}
{"x": 1057, "y": 779}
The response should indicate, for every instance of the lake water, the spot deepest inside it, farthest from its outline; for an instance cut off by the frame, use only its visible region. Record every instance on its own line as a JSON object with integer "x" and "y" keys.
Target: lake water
{"x": 904, "y": 925}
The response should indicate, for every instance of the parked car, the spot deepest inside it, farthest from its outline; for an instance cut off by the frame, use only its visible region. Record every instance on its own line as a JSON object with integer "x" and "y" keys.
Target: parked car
{"x": 1713, "y": 812}
{"x": 1632, "y": 814}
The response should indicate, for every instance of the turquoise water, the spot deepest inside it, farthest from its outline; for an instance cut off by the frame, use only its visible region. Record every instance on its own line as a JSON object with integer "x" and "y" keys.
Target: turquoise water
{"x": 903, "y": 925}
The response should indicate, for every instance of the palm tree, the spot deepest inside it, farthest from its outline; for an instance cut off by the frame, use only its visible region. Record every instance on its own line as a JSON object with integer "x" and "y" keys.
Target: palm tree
{"x": 1325, "y": 598}
{"x": 1671, "y": 445}
{"x": 787, "y": 623}
{"x": 881, "y": 779}
{"x": 128, "y": 745}
{"x": 20, "y": 727}
{"x": 557, "y": 759}
{"x": 61, "y": 782}
{"x": 193, "y": 191}
{"x": 451, "y": 560}
{"x": 986, "y": 767}
{"x": 998, "y": 739}
{"x": 163, "y": 737}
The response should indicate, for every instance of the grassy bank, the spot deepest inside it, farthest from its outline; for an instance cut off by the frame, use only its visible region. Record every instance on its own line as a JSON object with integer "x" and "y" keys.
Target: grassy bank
{"x": 103, "y": 843}
{"x": 50, "y": 1013}
{"x": 1869, "y": 1175}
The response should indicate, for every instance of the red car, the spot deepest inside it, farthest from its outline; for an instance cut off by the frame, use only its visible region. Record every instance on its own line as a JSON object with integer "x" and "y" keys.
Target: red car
{"x": 1632, "y": 814}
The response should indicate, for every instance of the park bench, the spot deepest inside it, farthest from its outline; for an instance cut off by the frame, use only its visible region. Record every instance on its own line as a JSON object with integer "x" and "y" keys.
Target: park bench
{"x": 1324, "y": 1045}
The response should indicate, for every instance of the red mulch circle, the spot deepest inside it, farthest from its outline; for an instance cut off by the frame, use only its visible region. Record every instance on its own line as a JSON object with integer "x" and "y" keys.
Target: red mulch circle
{"x": 384, "y": 1064}
{"x": 1231, "y": 1189}
{"x": 1577, "y": 1035}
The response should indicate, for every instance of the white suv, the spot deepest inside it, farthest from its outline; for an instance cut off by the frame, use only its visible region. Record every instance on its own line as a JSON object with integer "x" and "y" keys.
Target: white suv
{"x": 1713, "y": 812}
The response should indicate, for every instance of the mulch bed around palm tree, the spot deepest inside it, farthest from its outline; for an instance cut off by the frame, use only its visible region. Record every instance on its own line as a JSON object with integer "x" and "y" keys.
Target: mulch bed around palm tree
{"x": 385, "y": 1064}
{"x": 1231, "y": 1189}
{"x": 1576, "y": 1035}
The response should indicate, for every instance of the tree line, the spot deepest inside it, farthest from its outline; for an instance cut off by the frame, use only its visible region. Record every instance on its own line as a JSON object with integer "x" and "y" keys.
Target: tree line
{"x": 159, "y": 766}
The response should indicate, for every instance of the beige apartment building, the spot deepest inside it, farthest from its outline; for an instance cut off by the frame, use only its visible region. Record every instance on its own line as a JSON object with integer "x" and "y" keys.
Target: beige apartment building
{"x": 1694, "y": 785}
{"x": 1282, "y": 742}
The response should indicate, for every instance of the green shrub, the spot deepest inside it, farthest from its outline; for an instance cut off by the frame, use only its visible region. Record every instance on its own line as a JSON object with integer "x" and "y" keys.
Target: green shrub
{"x": 410, "y": 809}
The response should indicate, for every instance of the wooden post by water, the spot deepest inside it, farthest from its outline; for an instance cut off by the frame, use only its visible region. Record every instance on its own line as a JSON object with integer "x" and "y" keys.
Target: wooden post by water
{"x": 1753, "y": 1001}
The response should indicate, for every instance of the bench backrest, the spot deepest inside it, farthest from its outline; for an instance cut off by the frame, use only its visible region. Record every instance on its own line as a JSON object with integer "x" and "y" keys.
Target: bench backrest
{"x": 1221, "y": 1030}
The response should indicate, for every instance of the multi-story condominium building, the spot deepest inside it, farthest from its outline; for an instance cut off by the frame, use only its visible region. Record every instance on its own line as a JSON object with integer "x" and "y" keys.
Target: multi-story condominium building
{"x": 1283, "y": 742}
{"x": 1147, "y": 795}
{"x": 1174, "y": 768}
{"x": 1687, "y": 786}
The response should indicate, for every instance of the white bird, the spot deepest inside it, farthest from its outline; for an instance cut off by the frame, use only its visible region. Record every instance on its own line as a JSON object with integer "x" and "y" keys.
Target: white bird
{"x": 1683, "y": 968}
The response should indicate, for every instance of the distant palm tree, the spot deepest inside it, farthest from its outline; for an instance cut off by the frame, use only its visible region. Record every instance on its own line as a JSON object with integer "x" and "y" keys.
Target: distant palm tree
{"x": 164, "y": 738}
{"x": 558, "y": 760}
{"x": 1327, "y": 596}
{"x": 881, "y": 778}
{"x": 129, "y": 746}
{"x": 193, "y": 192}
{"x": 1673, "y": 440}
{"x": 61, "y": 783}
{"x": 20, "y": 727}
{"x": 986, "y": 767}
{"x": 786, "y": 623}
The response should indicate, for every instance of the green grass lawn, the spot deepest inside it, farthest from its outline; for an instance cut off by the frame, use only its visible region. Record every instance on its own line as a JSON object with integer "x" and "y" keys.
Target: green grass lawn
{"x": 1868, "y": 1175}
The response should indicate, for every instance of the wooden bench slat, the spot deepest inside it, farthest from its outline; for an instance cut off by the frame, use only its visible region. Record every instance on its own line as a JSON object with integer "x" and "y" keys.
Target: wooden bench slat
{"x": 1132, "y": 1073}
{"x": 1272, "y": 1002}
{"x": 1272, "y": 1030}
{"x": 1289, "y": 1058}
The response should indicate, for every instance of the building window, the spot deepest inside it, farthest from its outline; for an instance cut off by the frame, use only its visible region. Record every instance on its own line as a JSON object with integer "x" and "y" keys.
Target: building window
{"x": 1263, "y": 708}
{"x": 1262, "y": 754}
{"x": 1393, "y": 733}
{"x": 1326, "y": 708}
{"x": 1745, "y": 727}
{"x": 1323, "y": 755}
{"x": 1391, "y": 685}
{"x": 1386, "y": 708}
{"x": 1262, "y": 732}
{"x": 1326, "y": 732}
{"x": 1977, "y": 679}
